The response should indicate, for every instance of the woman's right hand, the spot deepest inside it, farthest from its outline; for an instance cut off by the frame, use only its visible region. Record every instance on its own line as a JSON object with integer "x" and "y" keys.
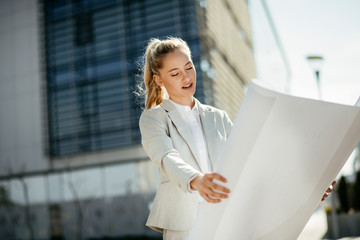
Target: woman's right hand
{"x": 210, "y": 191}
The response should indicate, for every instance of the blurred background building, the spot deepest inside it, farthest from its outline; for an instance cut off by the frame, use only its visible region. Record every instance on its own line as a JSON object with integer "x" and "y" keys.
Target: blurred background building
{"x": 71, "y": 162}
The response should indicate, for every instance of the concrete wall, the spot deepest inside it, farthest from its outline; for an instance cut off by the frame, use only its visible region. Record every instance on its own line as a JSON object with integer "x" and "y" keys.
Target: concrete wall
{"x": 231, "y": 56}
{"x": 21, "y": 136}
{"x": 347, "y": 224}
{"x": 111, "y": 217}
{"x": 22, "y": 98}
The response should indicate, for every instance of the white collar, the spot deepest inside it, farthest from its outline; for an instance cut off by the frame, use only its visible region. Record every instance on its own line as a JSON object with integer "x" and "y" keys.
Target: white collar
{"x": 184, "y": 108}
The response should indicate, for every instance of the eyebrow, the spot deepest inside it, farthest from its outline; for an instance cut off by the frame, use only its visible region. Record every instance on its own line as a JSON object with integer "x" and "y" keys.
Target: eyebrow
{"x": 178, "y": 68}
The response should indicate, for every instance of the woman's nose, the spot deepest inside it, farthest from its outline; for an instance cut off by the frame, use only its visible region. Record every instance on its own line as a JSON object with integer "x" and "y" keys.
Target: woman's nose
{"x": 186, "y": 77}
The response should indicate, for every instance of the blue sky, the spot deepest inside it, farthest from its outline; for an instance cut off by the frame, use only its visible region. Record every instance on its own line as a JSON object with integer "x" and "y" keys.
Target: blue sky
{"x": 326, "y": 27}
{"x": 330, "y": 28}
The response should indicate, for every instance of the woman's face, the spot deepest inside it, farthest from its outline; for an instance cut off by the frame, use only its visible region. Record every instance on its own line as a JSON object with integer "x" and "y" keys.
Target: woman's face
{"x": 178, "y": 76}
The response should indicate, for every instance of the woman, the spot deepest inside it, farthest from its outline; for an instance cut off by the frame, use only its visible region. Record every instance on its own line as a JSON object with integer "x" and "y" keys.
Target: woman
{"x": 182, "y": 137}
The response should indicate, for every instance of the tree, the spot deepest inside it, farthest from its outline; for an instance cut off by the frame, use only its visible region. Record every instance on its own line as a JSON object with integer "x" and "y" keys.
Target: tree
{"x": 343, "y": 195}
{"x": 4, "y": 197}
{"x": 356, "y": 192}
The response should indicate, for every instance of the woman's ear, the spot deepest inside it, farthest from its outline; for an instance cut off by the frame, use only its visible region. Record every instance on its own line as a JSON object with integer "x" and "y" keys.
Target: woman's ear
{"x": 158, "y": 81}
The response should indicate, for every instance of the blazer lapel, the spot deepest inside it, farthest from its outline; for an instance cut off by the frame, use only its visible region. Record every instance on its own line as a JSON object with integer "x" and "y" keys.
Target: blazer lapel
{"x": 181, "y": 126}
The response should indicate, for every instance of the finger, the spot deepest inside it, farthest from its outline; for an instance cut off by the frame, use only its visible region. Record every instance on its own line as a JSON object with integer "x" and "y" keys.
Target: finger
{"x": 209, "y": 192}
{"x": 207, "y": 184}
{"x": 220, "y": 188}
{"x": 206, "y": 190}
{"x": 213, "y": 186}
{"x": 325, "y": 196}
{"x": 217, "y": 177}
{"x": 331, "y": 187}
{"x": 210, "y": 200}
{"x": 217, "y": 195}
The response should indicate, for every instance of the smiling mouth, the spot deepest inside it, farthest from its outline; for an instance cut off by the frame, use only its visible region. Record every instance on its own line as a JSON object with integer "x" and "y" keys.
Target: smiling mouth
{"x": 187, "y": 86}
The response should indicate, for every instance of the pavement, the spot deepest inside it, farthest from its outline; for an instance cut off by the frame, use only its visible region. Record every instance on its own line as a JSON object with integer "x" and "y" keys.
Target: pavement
{"x": 316, "y": 228}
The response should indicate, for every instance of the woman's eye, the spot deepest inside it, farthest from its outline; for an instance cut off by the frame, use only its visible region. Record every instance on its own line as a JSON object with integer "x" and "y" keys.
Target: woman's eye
{"x": 175, "y": 74}
{"x": 189, "y": 68}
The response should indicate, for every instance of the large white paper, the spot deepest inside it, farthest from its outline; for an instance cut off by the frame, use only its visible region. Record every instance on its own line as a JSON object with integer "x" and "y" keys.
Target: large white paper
{"x": 281, "y": 156}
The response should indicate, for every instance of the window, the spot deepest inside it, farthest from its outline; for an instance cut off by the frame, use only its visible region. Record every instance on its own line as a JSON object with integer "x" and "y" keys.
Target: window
{"x": 93, "y": 49}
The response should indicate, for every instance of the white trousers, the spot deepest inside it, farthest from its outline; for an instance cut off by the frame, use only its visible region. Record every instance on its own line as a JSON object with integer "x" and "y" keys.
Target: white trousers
{"x": 175, "y": 235}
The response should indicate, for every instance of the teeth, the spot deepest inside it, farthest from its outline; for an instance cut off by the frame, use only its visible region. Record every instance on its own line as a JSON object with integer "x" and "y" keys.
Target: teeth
{"x": 188, "y": 85}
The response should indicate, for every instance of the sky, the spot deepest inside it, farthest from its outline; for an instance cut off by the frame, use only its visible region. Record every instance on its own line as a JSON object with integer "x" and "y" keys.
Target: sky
{"x": 329, "y": 28}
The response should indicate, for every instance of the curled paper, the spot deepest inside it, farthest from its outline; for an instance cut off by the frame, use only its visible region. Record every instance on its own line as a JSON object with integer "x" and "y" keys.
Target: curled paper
{"x": 281, "y": 156}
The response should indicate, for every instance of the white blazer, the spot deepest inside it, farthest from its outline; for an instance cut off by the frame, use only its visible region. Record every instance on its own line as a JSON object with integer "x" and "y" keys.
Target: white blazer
{"x": 169, "y": 143}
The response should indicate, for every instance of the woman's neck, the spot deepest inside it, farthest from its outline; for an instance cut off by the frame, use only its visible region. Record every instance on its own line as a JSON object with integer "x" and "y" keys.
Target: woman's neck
{"x": 186, "y": 102}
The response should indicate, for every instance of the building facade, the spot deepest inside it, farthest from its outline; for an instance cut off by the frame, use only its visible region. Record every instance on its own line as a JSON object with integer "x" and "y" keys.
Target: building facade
{"x": 70, "y": 156}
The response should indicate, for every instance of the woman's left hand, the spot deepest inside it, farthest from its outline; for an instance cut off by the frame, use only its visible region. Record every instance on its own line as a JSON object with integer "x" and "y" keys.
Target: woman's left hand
{"x": 328, "y": 191}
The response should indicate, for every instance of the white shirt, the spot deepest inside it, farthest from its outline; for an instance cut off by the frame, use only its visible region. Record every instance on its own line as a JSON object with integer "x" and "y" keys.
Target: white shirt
{"x": 192, "y": 119}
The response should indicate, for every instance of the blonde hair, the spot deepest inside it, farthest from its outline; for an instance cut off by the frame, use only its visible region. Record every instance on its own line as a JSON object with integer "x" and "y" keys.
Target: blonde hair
{"x": 155, "y": 52}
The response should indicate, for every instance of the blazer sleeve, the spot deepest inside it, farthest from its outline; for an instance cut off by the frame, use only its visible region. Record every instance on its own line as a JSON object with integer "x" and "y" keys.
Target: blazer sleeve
{"x": 159, "y": 147}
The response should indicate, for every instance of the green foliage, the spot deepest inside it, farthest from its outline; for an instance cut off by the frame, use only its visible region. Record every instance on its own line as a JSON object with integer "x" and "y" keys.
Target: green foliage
{"x": 328, "y": 210}
{"x": 4, "y": 197}
{"x": 349, "y": 194}
{"x": 343, "y": 195}
{"x": 356, "y": 193}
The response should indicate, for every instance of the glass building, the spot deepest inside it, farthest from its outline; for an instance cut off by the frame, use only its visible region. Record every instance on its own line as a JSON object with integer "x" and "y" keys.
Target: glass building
{"x": 71, "y": 162}
{"x": 93, "y": 56}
